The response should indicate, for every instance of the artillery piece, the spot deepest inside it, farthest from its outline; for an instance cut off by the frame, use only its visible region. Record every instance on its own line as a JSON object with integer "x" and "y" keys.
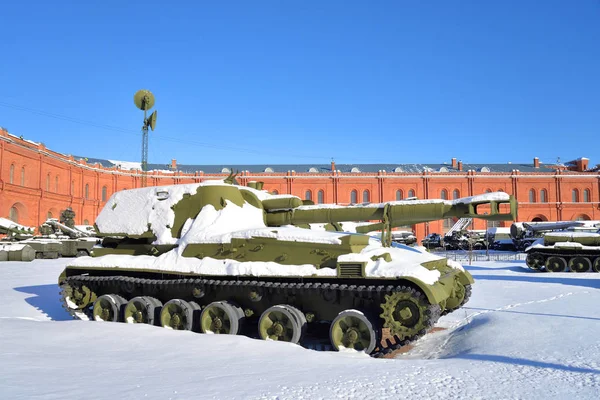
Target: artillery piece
{"x": 216, "y": 257}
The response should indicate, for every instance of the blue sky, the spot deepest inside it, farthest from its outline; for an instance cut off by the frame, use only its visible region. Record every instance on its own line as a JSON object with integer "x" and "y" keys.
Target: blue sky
{"x": 306, "y": 81}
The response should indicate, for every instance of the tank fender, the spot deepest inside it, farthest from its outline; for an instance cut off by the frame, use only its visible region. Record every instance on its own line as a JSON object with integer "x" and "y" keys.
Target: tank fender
{"x": 436, "y": 293}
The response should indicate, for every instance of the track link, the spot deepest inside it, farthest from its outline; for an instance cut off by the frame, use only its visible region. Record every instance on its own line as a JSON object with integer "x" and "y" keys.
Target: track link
{"x": 386, "y": 346}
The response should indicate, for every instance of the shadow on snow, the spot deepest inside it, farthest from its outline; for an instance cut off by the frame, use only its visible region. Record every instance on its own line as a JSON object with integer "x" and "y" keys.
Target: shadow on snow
{"x": 47, "y": 300}
{"x": 531, "y": 313}
{"x": 525, "y": 362}
{"x": 540, "y": 278}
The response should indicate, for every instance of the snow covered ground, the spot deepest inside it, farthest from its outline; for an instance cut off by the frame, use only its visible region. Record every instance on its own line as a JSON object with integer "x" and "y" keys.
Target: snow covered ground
{"x": 523, "y": 335}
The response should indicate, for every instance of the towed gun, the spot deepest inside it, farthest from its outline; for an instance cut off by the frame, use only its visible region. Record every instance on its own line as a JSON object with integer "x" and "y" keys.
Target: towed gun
{"x": 57, "y": 227}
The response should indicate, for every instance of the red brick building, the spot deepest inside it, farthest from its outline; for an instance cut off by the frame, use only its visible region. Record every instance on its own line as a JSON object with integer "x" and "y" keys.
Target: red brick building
{"x": 37, "y": 183}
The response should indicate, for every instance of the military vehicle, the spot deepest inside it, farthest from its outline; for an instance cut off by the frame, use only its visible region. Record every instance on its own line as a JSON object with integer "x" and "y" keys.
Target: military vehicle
{"x": 74, "y": 242}
{"x": 524, "y": 234}
{"x": 404, "y": 237}
{"x": 217, "y": 257}
{"x": 433, "y": 241}
{"x": 19, "y": 241}
{"x": 565, "y": 251}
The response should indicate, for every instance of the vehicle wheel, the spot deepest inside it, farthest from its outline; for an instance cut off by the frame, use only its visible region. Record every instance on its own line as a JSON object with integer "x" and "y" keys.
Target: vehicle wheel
{"x": 580, "y": 264}
{"x": 108, "y": 308}
{"x": 178, "y": 314}
{"x": 535, "y": 261}
{"x": 556, "y": 264}
{"x": 142, "y": 310}
{"x": 280, "y": 323}
{"x": 596, "y": 265}
{"x": 351, "y": 329}
{"x": 82, "y": 253}
{"x": 221, "y": 317}
{"x": 408, "y": 314}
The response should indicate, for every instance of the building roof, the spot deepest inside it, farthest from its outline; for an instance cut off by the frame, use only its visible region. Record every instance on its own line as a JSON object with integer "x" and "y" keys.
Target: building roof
{"x": 325, "y": 168}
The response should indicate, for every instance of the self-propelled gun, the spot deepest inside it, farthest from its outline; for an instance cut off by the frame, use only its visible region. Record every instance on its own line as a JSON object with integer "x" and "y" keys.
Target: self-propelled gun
{"x": 216, "y": 257}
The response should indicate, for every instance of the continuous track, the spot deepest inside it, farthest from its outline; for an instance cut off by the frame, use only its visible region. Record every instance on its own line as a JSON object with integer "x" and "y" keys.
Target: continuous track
{"x": 366, "y": 292}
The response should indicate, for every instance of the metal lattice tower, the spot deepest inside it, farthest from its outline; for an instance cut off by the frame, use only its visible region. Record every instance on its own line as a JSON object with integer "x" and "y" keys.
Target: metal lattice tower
{"x": 144, "y": 100}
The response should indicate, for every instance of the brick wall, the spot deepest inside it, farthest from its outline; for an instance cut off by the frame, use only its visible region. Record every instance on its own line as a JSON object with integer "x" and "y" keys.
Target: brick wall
{"x": 45, "y": 182}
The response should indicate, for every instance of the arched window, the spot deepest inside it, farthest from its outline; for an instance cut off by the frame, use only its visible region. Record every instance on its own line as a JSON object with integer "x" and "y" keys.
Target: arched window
{"x": 48, "y": 183}
{"x": 366, "y": 196}
{"x": 22, "y": 176}
{"x": 49, "y": 215}
{"x": 575, "y": 196}
{"x": 399, "y": 194}
{"x": 411, "y": 193}
{"x": 56, "y": 184}
{"x": 500, "y": 190}
{"x": 354, "y": 197}
{"x": 274, "y": 191}
{"x": 12, "y": 173}
{"x": 488, "y": 190}
{"x": 103, "y": 193}
{"x": 87, "y": 191}
{"x": 13, "y": 215}
{"x": 543, "y": 196}
{"x": 455, "y": 194}
{"x": 86, "y": 222}
{"x": 532, "y": 195}
{"x": 444, "y": 194}
{"x": 320, "y": 197}
{"x": 308, "y": 195}
{"x": 448, "y": 223}
{"x": 586, "y": 196}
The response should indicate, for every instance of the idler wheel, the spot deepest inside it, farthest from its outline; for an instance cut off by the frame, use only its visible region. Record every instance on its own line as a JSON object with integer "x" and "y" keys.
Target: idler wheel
{"x": 79, "y": 297}
{"x": 178, "y": 314}
{"x": 108, "y": 308}
{"x": 351, "y": 329}
{"x": 221, "y": 317}
{"x": 281, "y": 323}
{"x": 142, "y": 310}
{"x": 580, "y": 264}
{"x": 535, "y": 261}
{"x": 556, "y": 264}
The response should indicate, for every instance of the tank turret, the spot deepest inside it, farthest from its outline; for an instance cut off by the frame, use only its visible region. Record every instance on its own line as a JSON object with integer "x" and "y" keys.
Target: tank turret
{"x": 216, "y": 257}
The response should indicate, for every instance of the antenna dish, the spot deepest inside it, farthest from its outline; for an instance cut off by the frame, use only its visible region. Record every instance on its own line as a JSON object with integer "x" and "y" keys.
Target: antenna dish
{"x": 144, "y": 99}
{"x": 151, "y": 121}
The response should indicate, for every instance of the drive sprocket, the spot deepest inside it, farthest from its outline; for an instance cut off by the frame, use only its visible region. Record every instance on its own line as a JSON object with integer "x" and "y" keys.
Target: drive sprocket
{"x": 408, "y": 314}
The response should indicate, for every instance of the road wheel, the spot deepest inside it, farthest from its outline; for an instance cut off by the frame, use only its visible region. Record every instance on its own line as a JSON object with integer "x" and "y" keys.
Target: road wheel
{"x": 580, "y": 264}
{"x": 351, "y": 329}
{"x": 556, "y": 264}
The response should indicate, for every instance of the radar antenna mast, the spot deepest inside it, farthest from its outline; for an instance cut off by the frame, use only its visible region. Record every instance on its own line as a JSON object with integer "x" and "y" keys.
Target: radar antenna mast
{"x": 144, "y": 100}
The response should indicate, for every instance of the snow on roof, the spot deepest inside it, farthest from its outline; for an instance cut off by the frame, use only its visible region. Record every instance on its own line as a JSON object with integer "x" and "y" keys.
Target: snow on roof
{"x": 127, "y": 164}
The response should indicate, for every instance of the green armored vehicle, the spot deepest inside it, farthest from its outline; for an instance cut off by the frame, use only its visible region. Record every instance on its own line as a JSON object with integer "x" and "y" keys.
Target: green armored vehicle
{"x": 562, "y": 251}
{"x": 216, "y": 257}
{"x": 73, "y": 241}
{"x": 14, "y": 246}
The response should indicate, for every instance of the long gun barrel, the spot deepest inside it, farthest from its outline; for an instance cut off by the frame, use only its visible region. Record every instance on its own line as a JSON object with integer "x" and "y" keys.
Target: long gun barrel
{"x": 397, "y": 213}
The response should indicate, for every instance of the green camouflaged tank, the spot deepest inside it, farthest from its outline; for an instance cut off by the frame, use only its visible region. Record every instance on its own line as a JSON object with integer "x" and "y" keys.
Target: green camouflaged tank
{"x": 222, "y": 258}
{"x": 565, "y": 251}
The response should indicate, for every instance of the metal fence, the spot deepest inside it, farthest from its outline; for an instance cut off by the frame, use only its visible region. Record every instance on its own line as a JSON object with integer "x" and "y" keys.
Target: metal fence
{"x": 465, "y": 256}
